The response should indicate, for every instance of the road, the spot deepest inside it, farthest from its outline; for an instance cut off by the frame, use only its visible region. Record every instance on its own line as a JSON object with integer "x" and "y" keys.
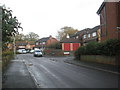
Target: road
{"x": 50, "y": 72}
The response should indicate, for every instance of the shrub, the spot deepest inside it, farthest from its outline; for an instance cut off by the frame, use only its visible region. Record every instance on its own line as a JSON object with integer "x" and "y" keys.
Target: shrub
{"x": 110, "y": 47}
{"x": 53, "y": 52}
{"x": 89, "y": 50}
{"x": 55, "y": 46}
{"x": 6, "y": 57}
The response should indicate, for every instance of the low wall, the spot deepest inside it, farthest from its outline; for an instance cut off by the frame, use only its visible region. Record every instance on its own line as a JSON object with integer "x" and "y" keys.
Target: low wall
{"x": 99, "y": 59}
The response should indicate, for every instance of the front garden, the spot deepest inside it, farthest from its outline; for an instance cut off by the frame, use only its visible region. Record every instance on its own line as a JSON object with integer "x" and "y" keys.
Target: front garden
{"x": 7, "y": 55}
{"x": 106, "y": 52}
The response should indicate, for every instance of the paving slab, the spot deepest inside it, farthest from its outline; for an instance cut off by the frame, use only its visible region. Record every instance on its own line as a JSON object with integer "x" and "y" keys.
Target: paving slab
{"x": 17, "y": 76}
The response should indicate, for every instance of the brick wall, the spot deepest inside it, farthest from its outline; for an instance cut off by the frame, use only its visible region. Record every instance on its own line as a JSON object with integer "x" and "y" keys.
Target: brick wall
{"x": 110, "y": 23}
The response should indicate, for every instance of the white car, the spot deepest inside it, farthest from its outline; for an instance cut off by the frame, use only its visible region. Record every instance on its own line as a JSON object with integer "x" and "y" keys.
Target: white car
{"x": 32, "y": 51}
{"x": 24, "y": 51}
{"x": 21, "y": 51}
{"x": 38, "y": 53}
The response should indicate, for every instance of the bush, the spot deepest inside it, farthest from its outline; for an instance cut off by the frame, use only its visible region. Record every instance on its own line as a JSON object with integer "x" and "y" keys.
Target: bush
{"x": 55, "y": 46}
{"x": 6, "y": 57}
{"x": 53, "y": 52}
{"x": 110, "y": 47}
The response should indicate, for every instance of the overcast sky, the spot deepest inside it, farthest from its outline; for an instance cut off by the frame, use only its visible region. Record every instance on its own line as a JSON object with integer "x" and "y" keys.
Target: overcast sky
{"x": 46, "y": 17}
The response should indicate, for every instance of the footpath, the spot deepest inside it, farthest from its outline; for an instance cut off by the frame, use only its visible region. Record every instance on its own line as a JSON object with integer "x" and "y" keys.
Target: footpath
{"x": 17, "y": 76}
{"x": 92, "y": 65}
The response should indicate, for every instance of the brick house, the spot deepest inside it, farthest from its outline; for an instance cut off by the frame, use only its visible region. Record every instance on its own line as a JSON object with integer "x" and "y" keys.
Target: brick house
{"x": 28, "y": 45}
{"x": 109, "y": 13}
{"x": 88, "y": 35}
{"x": 91, "y": 35}
{"x": 46, "y": 41}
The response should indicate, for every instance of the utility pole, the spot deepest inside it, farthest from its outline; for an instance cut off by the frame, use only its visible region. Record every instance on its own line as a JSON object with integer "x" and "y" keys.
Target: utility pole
{"x": 14, "y": 47}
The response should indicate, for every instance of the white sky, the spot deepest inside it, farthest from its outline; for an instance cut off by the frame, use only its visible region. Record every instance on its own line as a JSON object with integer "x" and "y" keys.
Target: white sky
{"x": 46, "y": 17}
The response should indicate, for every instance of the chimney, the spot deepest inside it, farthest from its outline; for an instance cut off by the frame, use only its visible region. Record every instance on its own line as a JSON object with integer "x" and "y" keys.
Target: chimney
{"x": 67, "y": 36}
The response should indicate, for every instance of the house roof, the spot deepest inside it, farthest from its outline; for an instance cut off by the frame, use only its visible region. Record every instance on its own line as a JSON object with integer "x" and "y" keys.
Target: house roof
{"x": 101, "y": 7}
{"x": 31, "y": 42}
{"x": 94, "y": 29}
{"x": 43, "y": 39}
{"x": 24, "y": 43}
{"x": 70, "y": 40}
{"x": 21, "y": 43}
{"x": 87, "y": 30}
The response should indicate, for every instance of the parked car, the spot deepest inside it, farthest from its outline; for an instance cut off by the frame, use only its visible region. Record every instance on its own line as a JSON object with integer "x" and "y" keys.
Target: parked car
{"x": 24, "y": 51}
{"x": 21, "y": 51}
{"x": 31, "y": 51}
{"x": 27, "y": 51}
{"x": 38, "y": 53}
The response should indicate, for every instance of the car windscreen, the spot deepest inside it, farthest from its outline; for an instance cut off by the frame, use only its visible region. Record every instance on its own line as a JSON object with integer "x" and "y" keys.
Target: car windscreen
{"x": 37, "y": 51}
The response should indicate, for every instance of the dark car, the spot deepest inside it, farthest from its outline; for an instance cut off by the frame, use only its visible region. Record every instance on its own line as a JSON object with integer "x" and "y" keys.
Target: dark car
{"x": 38, "y": 53}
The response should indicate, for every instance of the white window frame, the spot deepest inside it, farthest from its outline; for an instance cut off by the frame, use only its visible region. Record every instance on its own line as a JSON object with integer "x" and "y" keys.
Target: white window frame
{"x": 37, "y": 43}
{"x": 94, "y": 34}
{"x": 88, "y": 35}
{"x": 43, "y": 42}
{"x": 84, "y": 36}
{"x": 76, "y": 36}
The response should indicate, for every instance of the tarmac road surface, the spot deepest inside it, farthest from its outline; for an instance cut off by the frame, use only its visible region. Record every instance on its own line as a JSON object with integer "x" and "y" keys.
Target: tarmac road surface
{"x": 55, "y": 73}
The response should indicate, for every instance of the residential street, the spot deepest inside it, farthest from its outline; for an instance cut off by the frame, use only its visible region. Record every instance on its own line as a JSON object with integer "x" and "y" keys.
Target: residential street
{"x": 53, "y": 72}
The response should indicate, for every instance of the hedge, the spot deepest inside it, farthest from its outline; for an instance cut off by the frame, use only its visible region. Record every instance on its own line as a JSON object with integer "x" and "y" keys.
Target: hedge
{"x": 110, "y": 47}
{"x": 6, "y": 57}
{"x": 53, "y": 52}
{"x": 57, "y": 45}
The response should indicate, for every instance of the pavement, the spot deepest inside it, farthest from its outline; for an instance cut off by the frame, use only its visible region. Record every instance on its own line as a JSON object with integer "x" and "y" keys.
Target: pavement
{"x": 17, "y": 76}
{"x": 92, "y": 65}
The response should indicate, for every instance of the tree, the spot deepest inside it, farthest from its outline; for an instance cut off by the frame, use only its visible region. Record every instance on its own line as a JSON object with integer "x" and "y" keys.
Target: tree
{"x": 66, "y": 31}
{"x": 20, "y": 37}
{"x": 31, "y": 36}
{"x": 10, "y": 26}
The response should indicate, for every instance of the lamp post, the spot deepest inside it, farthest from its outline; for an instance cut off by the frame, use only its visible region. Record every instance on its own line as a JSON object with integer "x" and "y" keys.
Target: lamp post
{"x": 14, "y": 46}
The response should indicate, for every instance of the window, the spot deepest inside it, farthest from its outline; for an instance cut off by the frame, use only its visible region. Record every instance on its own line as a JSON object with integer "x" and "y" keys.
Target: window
{"x": 37, "y": 43}
{"x": 88, "y": 35}
{"x": 43, "y": 43}
{"x": 76, "y": 36}
{"x": 94, "y": 34}
{"x": 84, "y": 36}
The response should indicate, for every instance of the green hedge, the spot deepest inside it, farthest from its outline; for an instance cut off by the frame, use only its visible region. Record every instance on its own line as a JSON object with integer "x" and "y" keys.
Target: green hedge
{"x": 110, "y": 47}
{"x": 6, "y": 57}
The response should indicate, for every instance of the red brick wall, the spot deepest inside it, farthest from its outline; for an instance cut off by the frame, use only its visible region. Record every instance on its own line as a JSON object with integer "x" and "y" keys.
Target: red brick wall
{"x": 51, "y": 41}
{"x": 110, "y": 31}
